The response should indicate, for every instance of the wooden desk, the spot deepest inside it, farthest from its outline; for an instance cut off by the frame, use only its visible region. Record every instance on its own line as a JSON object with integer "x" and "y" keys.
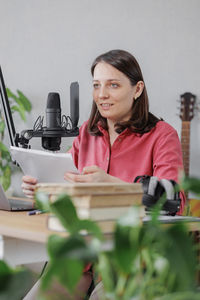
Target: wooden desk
{"x": 23, "y": 237}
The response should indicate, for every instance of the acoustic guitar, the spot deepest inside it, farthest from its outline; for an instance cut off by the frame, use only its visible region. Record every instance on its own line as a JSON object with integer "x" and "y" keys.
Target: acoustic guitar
{"x": 188, "y": 101}
{"x": 187, "y": 106}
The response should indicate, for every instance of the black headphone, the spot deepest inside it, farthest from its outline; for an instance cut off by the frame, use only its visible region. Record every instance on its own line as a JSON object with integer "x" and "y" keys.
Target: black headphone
{"x": 154, "y": 188}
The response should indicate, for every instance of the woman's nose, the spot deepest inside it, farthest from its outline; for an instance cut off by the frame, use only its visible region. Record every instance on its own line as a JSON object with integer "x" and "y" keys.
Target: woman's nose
{"x": 103, "y": 93}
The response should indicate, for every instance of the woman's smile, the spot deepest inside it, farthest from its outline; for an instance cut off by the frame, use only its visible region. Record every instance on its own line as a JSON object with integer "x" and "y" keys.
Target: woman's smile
{"x": 106, "y": 106}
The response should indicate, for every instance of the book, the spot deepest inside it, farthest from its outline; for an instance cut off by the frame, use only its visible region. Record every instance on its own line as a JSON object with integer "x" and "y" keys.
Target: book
{"x": 96, "y": 201}
{"x": 91, "y": 189}
{"x": 101, "y": 200}
{"x": 106, "y": 200}
{"x": 46, "y": 166}
{"x": 102, "y": 213}
{"x": 91, "y": 195}
{"x": 106, "y": 226}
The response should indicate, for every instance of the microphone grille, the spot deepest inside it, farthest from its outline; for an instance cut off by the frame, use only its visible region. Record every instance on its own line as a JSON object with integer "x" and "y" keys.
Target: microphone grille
{"x": 53, "y": 100}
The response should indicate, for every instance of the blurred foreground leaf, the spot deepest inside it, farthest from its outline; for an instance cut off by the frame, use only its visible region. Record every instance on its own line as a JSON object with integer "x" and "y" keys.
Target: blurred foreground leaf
{"x": 191, "y": 184}
{"x": 14, "y": 284}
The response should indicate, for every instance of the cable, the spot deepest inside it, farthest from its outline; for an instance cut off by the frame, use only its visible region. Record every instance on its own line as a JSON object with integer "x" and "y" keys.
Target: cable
{"x": 43, "y": 269}
{"x": 66, "y": 123}
{"x": 38, "y": 124}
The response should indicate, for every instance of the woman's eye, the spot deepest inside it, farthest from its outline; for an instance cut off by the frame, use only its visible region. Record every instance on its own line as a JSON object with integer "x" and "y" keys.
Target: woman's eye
{"x": 114, "y": 85}
{"x": 95, "y": 85}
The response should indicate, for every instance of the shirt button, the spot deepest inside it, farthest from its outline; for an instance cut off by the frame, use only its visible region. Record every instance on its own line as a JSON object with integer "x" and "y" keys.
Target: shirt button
{"x": 107, "y": 158}
{"x": 119, "y": 139}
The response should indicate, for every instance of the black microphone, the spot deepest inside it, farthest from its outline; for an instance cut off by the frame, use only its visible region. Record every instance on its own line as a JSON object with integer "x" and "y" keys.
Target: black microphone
{"x": 57, "y": 126}
{"x": 53, "y": 112}
{"x": 53, "y": 131}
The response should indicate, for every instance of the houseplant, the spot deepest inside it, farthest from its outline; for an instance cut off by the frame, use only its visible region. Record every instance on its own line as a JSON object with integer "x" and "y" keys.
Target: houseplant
{"x": 19, "y": 104}
{"x": 14, "y": 283}
{"x": 143, "y": 262}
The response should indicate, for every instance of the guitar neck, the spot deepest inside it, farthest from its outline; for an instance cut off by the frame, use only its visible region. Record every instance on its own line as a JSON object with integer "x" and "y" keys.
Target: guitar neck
{"x": 185, "y": 143}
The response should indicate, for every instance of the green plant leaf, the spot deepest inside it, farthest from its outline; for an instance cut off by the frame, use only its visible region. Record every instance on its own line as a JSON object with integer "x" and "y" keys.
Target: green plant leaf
{"x": 14, "y": 284}
{"x": 125, "y": 253}
{"x": 55, "y": 245}
{"x": 42, "y": 201}
{"x": 73, "y": 247}
{"x": 6, "y": 178}
{"x": 91, "y": 227}
{"x": 2, "y": 126}
{"x": 3, "y": 147}
{"x": 126, "y": 235}
{"x": 23, "y": 103}
{"x": 24, "y": 100}
{"x": 177, "y": 239}
{"x": 190, "y": 295}
{"x": 19, "y": 285}
{"x": 5, "y": 274}
{"x": 191, "y": 184}
{"x": 106, "y": 271}
{"x": 66, "y": 254}
{"x": 16, "y": 99}
{"x": 20, "y": 110}
{"x": 5, "y": 154}
{"x": 67, "y": 271}
{"x": 11, "y": 94}
{"x": 64, "y": 209}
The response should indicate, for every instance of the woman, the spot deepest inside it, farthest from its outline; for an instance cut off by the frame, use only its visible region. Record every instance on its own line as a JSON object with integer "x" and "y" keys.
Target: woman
{"x": 121, "y": 139}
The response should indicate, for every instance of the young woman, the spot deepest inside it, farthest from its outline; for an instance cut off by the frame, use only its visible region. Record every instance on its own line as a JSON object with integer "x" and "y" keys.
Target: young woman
{"x": 121, "y": 139}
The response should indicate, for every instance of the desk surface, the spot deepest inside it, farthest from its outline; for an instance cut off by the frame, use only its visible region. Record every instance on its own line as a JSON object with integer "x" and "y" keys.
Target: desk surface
{"x": 22, "y": 226}
{"x": 34, "y": 228}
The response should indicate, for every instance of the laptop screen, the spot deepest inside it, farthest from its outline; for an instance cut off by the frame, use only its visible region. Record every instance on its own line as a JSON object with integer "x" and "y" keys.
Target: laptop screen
{"x": 5, "y": 108}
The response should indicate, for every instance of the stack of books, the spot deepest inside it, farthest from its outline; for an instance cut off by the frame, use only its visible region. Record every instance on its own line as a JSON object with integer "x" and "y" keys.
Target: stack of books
{"x": 101, "y": 202}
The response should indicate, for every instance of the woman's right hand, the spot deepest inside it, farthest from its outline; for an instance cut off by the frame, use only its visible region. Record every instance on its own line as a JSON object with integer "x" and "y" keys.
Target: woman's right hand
{"x": 28, "y": 185}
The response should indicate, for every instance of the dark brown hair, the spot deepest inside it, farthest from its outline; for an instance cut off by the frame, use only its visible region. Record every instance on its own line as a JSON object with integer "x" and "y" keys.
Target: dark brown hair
{"x": 141, "y": 120}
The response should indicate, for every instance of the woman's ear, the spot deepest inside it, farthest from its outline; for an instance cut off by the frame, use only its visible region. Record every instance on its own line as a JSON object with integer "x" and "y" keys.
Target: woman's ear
{"x": 139, "y": 89}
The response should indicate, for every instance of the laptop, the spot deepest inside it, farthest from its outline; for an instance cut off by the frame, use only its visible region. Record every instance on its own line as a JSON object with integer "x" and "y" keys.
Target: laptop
{"x": 13, "y": 204}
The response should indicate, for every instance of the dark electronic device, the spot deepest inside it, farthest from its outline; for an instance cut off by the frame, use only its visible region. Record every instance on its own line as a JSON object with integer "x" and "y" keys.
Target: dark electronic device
{"x": 154, "y": 189}
{"x": 57, "y": 126}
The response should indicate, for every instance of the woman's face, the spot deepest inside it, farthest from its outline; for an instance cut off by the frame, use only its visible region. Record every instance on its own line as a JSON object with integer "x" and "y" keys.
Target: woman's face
{"x": 113, "y": 93}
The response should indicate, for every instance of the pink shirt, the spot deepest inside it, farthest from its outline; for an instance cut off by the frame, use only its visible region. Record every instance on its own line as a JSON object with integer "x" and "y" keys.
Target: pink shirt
{"x": 156, "y": 153}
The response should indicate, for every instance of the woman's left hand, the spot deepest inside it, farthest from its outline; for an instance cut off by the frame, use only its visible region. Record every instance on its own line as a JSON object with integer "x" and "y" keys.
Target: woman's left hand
{"x": 91, "y": 174}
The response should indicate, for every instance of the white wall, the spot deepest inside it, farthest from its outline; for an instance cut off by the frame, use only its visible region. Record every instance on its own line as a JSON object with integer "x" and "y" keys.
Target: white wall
{"x": 46, "y": 44}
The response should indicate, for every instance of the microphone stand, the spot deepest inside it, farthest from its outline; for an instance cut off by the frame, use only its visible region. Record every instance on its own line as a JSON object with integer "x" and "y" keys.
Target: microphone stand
{"x": 51, "y": 139}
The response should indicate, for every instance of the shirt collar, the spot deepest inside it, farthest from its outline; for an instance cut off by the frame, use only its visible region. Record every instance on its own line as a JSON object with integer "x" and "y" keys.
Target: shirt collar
{"x": 101, "y": 129}
{"x": 126, "y": 131}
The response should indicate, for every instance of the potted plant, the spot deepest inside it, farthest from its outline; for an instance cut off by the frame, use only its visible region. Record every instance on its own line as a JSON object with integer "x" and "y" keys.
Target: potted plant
{"x": 143, "y": 261}
{"x": 18, "y": 103}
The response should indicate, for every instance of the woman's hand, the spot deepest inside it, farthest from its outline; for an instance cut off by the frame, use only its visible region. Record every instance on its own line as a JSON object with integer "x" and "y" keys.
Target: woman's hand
{"x": 28, "y": 186}
{"x": 91, "y": 174}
